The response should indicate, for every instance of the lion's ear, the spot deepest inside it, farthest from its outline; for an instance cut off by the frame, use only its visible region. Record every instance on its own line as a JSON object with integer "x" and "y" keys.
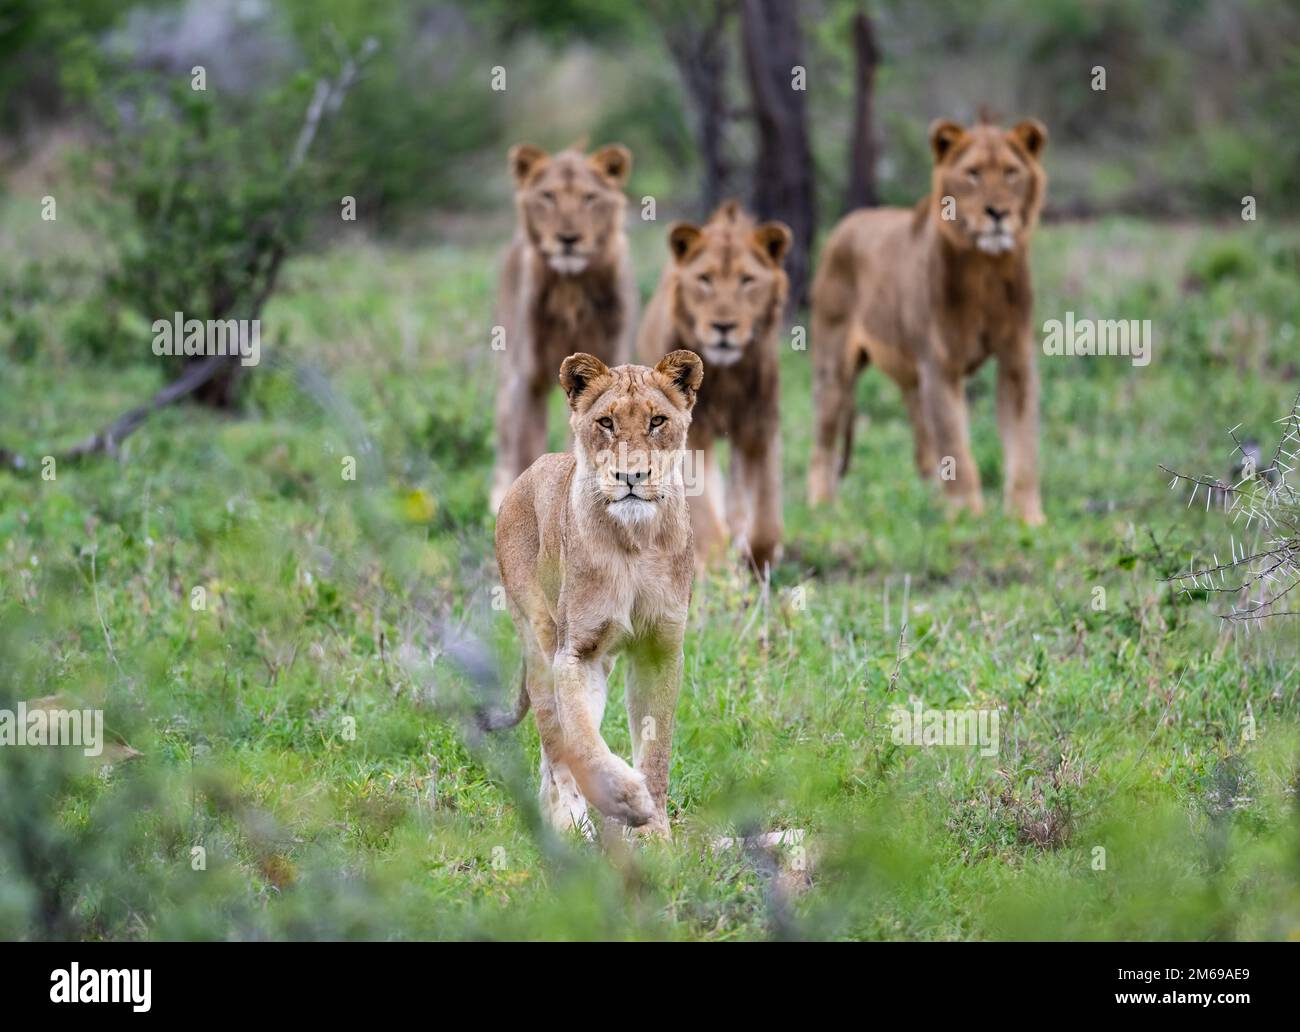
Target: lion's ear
{"x": 684, "y": 372}
{"x": 773, "y": 239}
{"x": 524, "y": 158}
{"x": 1031, "y": 134}
{"x": 944, "y": 135}
{"x": 682, "y": 238}
{"x": 577, "y": 374}
{"x": 614, "y": 162}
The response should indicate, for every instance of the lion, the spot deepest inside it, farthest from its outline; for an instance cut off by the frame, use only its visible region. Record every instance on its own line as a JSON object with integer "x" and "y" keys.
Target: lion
{"x": 595, "y": 553}
{"x": 721, "y": 296}
{"x": 928, "y": 294}
{"x": 566, "y": 284}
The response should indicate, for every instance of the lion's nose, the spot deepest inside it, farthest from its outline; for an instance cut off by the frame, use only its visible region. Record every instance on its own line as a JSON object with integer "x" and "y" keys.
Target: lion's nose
{"x": 630, "y": 478}
{"x": 997, "y": 214}
{"x": 567, "y": 240}
{"x": 724, "y": 328}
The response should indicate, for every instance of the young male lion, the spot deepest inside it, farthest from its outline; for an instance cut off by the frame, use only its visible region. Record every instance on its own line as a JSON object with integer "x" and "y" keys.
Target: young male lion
{"x": 566, "y": 284}
{"x": 928, "y": 294}
{"x": 721, "y": 296}
{"x": 594, "y": 549}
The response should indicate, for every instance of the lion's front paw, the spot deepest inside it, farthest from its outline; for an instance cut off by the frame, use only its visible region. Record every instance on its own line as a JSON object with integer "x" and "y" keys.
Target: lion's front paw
{"x": 622, "y": 793}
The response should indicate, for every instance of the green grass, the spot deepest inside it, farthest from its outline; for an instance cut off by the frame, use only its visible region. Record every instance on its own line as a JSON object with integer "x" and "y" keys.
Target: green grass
{"x": 328, "y": 602}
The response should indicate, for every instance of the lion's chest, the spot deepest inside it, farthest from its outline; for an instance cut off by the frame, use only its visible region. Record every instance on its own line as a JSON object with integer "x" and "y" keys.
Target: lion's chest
{"x": 737, "y": 402}
{"x": 637, "y": 594}
{"x": 577, "y": 313}
{"x": 981, "y": 309}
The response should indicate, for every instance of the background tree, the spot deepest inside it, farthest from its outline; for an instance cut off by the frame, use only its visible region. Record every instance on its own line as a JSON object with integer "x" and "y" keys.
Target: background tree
{"x": 695, "y": 35}
{"x": 783, "y": 166}
{"x": 861, "y": 189}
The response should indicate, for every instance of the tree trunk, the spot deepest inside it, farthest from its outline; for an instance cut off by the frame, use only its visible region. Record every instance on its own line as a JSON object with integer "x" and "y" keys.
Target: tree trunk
{"x": 783, "y": 172}
{"x": 222, "y": 391}
{"x": 861, "y": 190}
{"x": 698, "y": 49}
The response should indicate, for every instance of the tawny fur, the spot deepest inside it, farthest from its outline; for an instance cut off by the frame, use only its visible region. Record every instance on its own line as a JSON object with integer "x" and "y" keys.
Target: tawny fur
{"x": 566, "y": 284}
{"x": 721, "y": 296}
{"x": 595, "y": 554}
{"x": 928, "y": 299}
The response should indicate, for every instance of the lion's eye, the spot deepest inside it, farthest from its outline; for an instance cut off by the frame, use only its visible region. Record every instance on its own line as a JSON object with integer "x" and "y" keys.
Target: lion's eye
{"x": 746, "y": 280}
{"x": 606, "y": 422}
{"x": 589, "y": 198}
{"x": 657, "y": 422}
{"x": 1012, "y": 172}
{"x": 705, "y": 280}
{"x": 973, "y": 174}
{"x": 548, "y": 196}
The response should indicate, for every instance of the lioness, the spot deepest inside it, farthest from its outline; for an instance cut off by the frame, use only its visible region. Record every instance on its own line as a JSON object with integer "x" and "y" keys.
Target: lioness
{"x": 721, "y": 296}
{"x": 594, "y": 549}
{"x": 928, "y": 294}
{"x": 566, "y": 284}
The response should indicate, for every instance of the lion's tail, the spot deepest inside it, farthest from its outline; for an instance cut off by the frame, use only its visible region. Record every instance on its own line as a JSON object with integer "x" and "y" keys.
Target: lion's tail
{"x": 491, "y": 719}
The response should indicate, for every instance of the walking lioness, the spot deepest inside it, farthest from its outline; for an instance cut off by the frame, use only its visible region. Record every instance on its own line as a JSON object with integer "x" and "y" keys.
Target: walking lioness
{"x": 566, "y": 284}
{"x": 928, "y": 294}
{"x": 721, "y": 295}
{"x": 594, "y": 549}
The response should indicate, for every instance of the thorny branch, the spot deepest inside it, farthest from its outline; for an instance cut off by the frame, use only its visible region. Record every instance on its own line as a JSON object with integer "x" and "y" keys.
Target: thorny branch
{"x": 1267, "y": 496}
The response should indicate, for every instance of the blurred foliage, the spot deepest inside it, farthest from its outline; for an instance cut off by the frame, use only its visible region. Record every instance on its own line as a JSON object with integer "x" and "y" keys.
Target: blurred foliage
{"x": 423, "y": 104}
{"x": 195, "y": 202}
{"x": 37, "y": 39}
{"x": 1200, "y": 102}
{"x": 561, "y": 22}
{"x": 1123, "y": 728}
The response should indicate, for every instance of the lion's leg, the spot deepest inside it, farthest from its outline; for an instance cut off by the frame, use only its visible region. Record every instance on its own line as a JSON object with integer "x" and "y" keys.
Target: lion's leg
{"x": 607, "y": 781}
{"x": 562, "y": 804}
{"x": 738, "y": 501}
{"x": 762, "y": 480}
{"x": 521, "y": 428}
{"x": 943, "y": 397}
{"x": 532, "y": 425}
{"x": 653, "y": 682}
{"x": 833, "y": 378}
{"x": 927, "y": 463}
{"x": 706, "y": 508}
{"x": 1018, "y": 428}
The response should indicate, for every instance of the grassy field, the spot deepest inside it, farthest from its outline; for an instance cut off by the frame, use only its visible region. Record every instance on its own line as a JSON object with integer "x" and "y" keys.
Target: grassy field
{"x": 300, "y": 726}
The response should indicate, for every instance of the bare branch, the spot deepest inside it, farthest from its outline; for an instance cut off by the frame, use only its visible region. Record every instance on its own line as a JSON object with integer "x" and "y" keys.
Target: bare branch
{"x": 1266, "y": 496}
